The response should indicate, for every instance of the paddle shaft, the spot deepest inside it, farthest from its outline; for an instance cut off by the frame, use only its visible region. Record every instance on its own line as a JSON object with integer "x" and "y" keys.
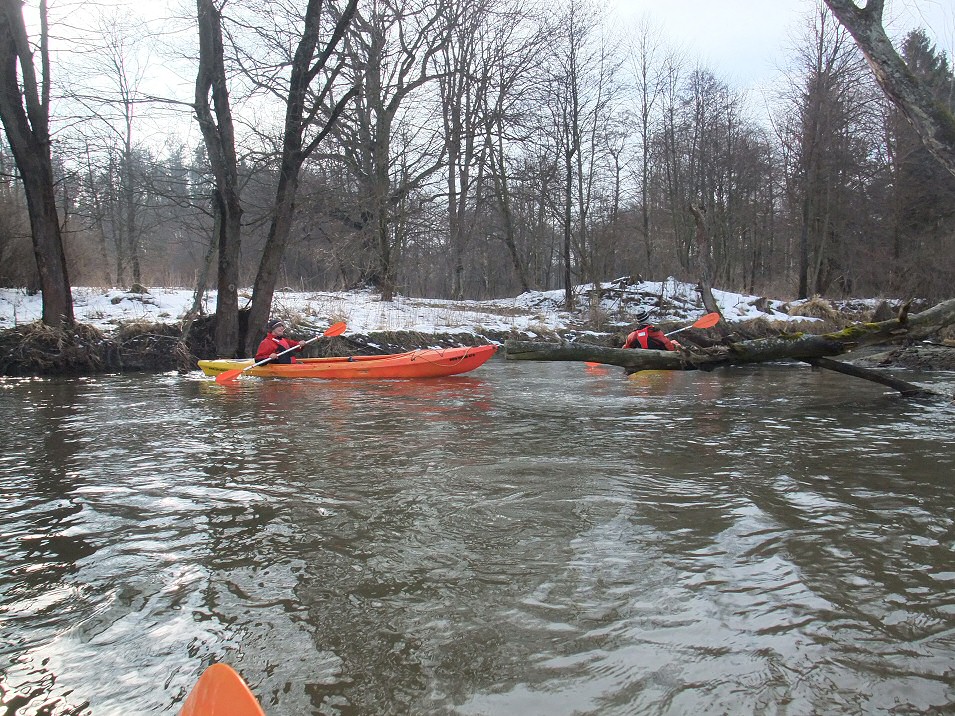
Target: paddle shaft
{"x": 296, "y": 347}
{"x": 707, "y": 321}
{"x": 678, "y": 330}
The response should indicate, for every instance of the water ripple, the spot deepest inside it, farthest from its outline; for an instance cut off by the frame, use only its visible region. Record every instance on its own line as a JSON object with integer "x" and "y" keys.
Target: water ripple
{"x": 539, "y": 540}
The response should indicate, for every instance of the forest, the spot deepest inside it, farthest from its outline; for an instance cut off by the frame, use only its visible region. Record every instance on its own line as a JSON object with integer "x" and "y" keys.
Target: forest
{"x": 462, "y": 149}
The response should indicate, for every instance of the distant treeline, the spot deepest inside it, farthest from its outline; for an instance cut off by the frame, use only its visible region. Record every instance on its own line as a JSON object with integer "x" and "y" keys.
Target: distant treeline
{"x": 489, "y": 147}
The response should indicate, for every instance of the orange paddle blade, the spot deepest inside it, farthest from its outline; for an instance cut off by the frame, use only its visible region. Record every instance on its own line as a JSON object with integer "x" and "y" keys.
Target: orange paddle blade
{"x": 707, "y": 321}
{"x": 336, "y": 329}
{"x": 220, "y": 691}
{"x": 229, "y": 375}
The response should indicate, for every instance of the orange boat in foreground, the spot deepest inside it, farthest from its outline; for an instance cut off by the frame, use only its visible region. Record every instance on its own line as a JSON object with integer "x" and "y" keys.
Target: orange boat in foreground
{"x": 422, "y": 363}
{"x": 220, "y": 691}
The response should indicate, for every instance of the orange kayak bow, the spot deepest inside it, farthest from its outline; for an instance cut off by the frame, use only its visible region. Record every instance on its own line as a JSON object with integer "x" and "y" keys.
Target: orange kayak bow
{"x": 220, "y": 691}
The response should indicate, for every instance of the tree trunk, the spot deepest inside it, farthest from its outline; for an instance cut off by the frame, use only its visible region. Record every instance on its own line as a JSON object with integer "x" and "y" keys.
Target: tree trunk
{"x": 703, "y": 249}
{"x": 227, "y": 295}
{"x": 567, "y": 228}
{"x": 98, "y": 216}
{"x": 802, "y": 347}
{"x": 267, "y": 275}
{"x": 28, "y": 133}
{"x": 934, "y": 124}
{"x": 503, "y": 195}
{"x": 113, "y": 204}
{"x": 129, "y": 216}
{"x": 623, "y": 357}
{"x": 803, "y": 290}
{"x": 906, "y": 389}
{"x": 219, "y": 136}
{"x": 386, "y": 263}
{"x": 202, "y": 277}
{"x": 299, "y": 113}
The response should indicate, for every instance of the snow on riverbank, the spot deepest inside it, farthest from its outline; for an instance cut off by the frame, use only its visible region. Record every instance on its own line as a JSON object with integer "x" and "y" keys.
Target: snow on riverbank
{"x": 364, "y": 312}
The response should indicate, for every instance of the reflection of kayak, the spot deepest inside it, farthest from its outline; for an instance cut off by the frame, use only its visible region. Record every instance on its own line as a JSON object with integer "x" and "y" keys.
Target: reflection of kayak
{"x": 649, "y": 375}
{"x": 654, "y": 381}
{"x": 220, "y": 691}
{"x": 423, "y": 363}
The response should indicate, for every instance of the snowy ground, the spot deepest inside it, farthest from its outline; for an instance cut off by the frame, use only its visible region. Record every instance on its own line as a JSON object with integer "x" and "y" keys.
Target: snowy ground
{"x": 364, "y": 312}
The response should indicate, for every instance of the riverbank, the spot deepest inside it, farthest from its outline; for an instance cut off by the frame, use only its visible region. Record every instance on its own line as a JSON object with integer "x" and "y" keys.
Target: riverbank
{"x": 36, "y": 349}
{"x": 123, "y": 331}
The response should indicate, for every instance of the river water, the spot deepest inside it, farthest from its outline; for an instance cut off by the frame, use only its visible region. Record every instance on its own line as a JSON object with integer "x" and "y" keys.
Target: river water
{"x": 530, "y": 538}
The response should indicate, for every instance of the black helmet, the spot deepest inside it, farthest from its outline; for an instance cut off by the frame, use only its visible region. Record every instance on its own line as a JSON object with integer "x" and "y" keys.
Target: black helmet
{"x": 273, "y": 324}
{"x": 642, "y": 315}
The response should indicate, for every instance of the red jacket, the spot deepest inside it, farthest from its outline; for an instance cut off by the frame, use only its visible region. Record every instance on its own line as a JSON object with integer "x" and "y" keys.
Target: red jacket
{"x": 649, "y": 337}
{"x": 271, "y": 344}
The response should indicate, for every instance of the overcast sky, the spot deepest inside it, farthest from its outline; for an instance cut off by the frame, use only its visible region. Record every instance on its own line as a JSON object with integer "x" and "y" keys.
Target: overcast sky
{"x": 745, "y": 42}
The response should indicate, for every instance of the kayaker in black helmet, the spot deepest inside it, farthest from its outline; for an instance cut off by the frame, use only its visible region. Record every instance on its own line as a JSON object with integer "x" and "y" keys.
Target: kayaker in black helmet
{"x": 275, "y": 342}
{"x": 647, "y": 335}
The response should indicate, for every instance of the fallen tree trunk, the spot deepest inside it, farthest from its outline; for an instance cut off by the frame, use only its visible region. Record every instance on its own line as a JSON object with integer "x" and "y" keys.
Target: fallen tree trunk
{"x": 800, "y": 346}
{"x": 907, "y": 389}
{"x": 624, "y": 357}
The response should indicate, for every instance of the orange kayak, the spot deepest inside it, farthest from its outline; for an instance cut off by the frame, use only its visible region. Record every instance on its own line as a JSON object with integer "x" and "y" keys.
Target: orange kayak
{"x": 220, "y": 691}
{"x": 422, "y": 363}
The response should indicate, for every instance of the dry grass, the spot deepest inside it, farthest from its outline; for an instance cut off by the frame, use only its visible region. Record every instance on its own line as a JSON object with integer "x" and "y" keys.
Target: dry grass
{"x": 817, "y": 307}
{"x": 152, "y": 346}
{"x": 38, "y": 349}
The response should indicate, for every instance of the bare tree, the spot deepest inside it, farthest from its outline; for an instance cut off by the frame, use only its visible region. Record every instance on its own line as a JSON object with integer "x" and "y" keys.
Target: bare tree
{"x": 107, "y": 88}
{"x": 463, "y": 80}
{"x": 17, "y": 264}
{"x": 98, "y": 212}
{"x": 218, "y": 132}
{"x": 649, "y": 77}
{"x": 831, "y": 136}
{"x": 581, "y": 89}
{"x": 314, "y": 73}
{"x": 920, "y": 253}
{"x": 513, "y": 52}
{"x": 25, "y": 111}
{"x": 933, "y": 122}
{"x": 389, "y": 147}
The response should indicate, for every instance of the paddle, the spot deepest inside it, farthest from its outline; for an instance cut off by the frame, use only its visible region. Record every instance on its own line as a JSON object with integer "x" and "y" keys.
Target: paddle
{"x": 336, "y": 329}
{"x": 220, "y": 691}
{"x": 707, "y": 321}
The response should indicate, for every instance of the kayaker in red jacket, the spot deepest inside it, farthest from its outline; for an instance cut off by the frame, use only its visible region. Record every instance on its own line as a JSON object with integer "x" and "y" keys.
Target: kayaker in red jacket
{"x": 647, "y": 335}
{"x": 275, "y": 342}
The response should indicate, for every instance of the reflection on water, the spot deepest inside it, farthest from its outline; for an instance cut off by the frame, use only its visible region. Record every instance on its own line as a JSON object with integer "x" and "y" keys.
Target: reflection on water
{"x": 530, "y": 538}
